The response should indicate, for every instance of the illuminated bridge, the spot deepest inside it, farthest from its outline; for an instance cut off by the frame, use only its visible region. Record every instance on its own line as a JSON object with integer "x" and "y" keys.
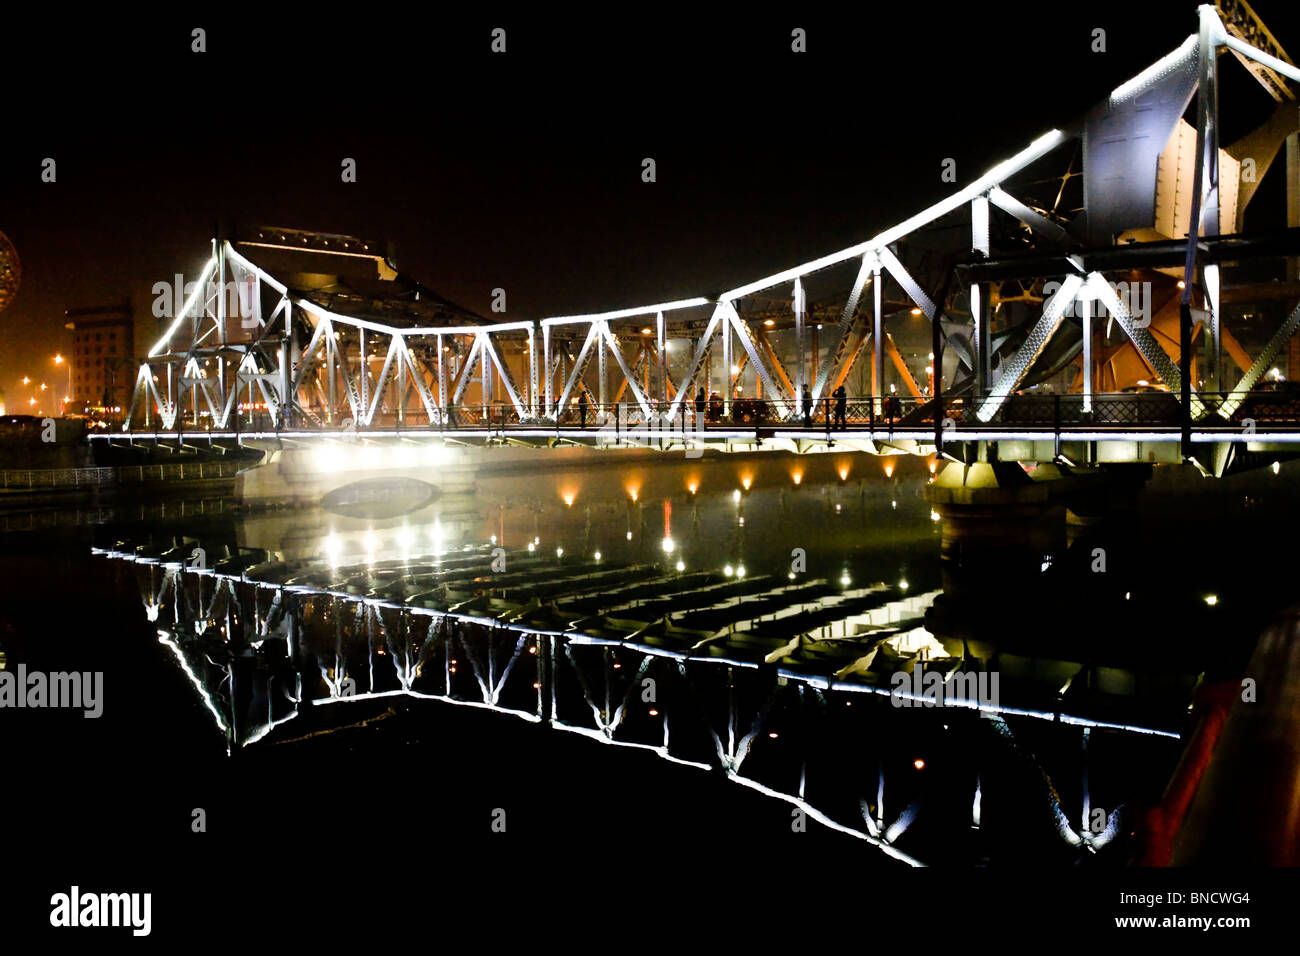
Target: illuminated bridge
{"x": 1095, "y": 298}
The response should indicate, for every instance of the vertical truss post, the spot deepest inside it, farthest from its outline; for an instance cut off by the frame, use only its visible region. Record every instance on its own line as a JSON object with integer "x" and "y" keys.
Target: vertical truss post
{"x": 546, "y": 365}
{"x": 602, "y": 393}
{"x": 936, "y": 360}
{"x": 1205, "y": 201}
{"x": 219, "y": 252}
{"x": 1210, "y": 275}
{"x": 708, "y": 374}
{"x": 286, "y": 367}
{"x": 979, "y": 229}
{"x": 173, "y": 406}
{"x": 725, "y": 331}
{"x": 663, "y": 361}
{"x": 799, "y": 321}
{"x": 403, "y": 356}
{"x": 877, "y": 343}
{"x": 485, "y": 377}
{"x": 1208, "y": 122}
{"x": 442, "y": 381}
{"x": 1087, "y": 355}
{"x": 365, "y": 376}
{"x": 532, "y": 370}
{"x": 331, "y": 349}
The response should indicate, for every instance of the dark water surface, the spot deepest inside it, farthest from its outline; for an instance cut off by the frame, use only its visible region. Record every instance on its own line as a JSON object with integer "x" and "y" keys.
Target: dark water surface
{"x": 353, "y": 799}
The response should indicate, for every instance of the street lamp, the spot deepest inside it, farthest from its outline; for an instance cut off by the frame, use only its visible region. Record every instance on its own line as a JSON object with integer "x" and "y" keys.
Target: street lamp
{"x": 60, "y": 360}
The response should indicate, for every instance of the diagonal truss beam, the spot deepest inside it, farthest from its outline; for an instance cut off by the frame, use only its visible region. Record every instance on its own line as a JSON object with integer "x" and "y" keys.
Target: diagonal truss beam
{"x": 870, "y": 264}
{"x": 706, "y": 341}
{"x": 1035, "y": 342}
{"x": 612, "y": 341}
{"x": 1257, "y": 369}
{"x": 1141, "y": 337}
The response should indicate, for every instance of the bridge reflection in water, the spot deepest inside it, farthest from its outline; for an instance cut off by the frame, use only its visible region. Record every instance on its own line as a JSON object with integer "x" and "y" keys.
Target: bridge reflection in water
{"x": 781, "y": 685}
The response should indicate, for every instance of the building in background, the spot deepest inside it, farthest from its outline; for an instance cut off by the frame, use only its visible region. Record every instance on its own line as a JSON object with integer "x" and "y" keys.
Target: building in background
{"x": 100, "y": 361}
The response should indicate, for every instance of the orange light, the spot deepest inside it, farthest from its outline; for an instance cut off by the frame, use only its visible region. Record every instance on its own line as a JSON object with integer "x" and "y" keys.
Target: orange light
{"x": 796, "y": 477}
{"x": 934, "y": 464}
{"x": 654, "y": 712}
{"x": 769, "y": 322}
{"x": 916, "y": 311}
{"x": 633, "y": 491}
{"x": 746, "y": 480}
{"x": 58, "y": 359}
{"x": 889, "y": 468}
{"x": 843, "y": 469}
{"x": 693, "y": 485}
{"x": 918, "y": 763}
{"x": 1182, "y": 284}
{"x": 568, "y": 495}
{"x": 646, "y": 331}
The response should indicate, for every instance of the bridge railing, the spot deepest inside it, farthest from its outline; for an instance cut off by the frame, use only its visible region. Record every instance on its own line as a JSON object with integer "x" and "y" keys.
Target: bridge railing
{"x": 36, "y": 479}
{"x": 1278, "y": 408}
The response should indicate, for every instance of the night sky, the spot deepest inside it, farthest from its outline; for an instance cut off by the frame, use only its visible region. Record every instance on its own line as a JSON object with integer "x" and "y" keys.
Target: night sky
{"x": 522, "y": 170}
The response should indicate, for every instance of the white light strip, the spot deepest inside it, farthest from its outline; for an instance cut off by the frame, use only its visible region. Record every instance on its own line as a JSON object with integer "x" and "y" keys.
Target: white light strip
{"x": 366, "y": 324}
{"x": 1156, "y": 69}
{"x": 419, "y": 330}
{"x": 189, "y": 304}
{"x": 262, "y": 274}
{"x": 1035, "y": 150}
{"x": 627, "y": 313}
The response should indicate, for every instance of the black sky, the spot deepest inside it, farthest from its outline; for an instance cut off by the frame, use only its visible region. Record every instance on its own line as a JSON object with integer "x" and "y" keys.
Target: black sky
{"x": 522, "y": 170}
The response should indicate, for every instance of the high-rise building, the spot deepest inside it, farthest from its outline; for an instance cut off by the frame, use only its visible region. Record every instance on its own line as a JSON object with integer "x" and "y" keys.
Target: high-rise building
{"x": 101, "y": 359}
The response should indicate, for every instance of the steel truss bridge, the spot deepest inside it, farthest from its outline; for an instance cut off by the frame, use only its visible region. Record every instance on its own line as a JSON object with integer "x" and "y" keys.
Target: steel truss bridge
{"x": 1063, "y": 296}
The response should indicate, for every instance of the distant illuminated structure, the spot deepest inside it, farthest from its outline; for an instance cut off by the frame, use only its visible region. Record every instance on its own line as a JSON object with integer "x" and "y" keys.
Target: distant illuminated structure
{"x": 102, "y": 343}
